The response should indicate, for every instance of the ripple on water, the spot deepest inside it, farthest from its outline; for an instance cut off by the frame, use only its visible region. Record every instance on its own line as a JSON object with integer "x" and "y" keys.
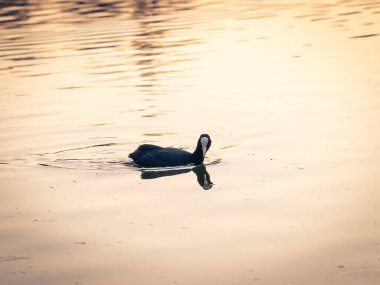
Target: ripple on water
{"x": 105, "y": 157}
{"x": 361, "y": 276}
{"x": 13, "y": 258}
{"x": 365, "y": 36}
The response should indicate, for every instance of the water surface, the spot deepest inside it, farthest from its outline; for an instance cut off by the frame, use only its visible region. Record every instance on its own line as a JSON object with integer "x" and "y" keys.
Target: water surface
{"x": 288, "y": 91}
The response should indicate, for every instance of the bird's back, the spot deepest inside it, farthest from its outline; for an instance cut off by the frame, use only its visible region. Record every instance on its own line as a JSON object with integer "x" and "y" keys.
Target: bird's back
{"x": 155, "y": 156}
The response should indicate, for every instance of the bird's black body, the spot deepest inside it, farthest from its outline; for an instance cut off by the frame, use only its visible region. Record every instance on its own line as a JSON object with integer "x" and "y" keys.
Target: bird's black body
{"x": 149, "y": 155}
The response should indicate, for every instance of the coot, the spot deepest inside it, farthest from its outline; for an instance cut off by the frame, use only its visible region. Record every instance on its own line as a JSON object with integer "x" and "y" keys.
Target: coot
{"x": 149, "y": 155}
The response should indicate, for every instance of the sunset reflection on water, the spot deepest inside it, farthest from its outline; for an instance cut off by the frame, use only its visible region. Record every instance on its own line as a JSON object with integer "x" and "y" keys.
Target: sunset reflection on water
{"x": 288, "y": 91}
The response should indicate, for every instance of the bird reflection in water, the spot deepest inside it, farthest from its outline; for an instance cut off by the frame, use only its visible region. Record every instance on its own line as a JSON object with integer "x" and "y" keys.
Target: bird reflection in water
{"x": 203, "y": 177}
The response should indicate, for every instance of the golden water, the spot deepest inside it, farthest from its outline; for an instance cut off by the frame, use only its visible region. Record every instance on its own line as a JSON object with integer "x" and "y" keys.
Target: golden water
{"x": 288, "y": 91}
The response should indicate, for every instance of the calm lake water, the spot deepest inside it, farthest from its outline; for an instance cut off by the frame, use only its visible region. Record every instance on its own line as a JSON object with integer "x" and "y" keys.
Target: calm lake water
{"x": 287, "y": 90}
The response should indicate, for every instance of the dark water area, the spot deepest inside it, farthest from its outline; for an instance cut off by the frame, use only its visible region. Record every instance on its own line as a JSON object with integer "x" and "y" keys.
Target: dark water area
{"x": 287, "y": 90}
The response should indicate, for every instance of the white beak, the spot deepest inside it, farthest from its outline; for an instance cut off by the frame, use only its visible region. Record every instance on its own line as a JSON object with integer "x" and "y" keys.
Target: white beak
{"x": 204, "y": 143}
{"x": 204, "y": 149}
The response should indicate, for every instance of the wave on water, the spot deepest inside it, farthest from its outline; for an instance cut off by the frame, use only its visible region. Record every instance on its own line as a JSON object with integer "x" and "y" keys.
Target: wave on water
{"x": 105, "y": 157}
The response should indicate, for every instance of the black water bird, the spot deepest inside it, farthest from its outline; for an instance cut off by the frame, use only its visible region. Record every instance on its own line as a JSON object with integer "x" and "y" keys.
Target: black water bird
{"x": 148, "y": 155}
